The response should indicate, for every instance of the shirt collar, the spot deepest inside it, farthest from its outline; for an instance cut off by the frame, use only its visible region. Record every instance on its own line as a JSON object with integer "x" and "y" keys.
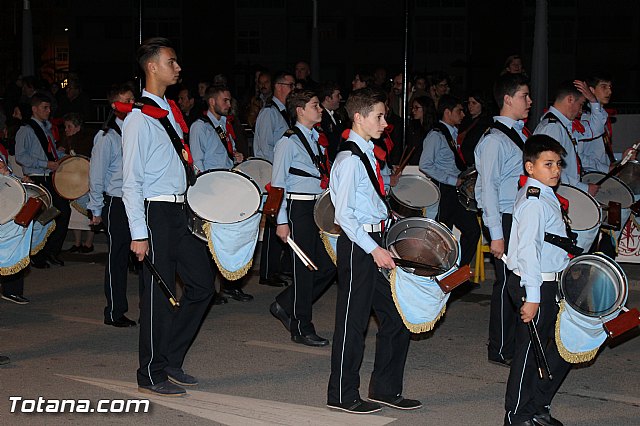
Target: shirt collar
{"x": 564, "y": 120}
{"x": 453, "y": 130}
{"x": 279, "y": 104}
{"x": 162, "y": 102}
{"x": 546, "y": 190}
{"x": 359, "y": 140}
{"x": 310, "y": 134}
{"x": 222, "y": 122}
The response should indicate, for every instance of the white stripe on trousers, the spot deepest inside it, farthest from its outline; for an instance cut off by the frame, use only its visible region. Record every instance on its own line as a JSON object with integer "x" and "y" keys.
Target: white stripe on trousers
{"x": 346, "y": 317}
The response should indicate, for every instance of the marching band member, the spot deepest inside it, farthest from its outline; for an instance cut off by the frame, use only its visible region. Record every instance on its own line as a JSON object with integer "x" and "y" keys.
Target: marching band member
{"x": 105, "y": 202}
{"x": 299, "y": 166}
{"x": 594, "y": 145}
{"x": 498, "y": 159}
{"x": 37, "y": 153}
{"x": 442, "y": 160}
{"x": 153, "y": 187}
{"x": 533, "y": 285}
{"x": 360, "y": 211}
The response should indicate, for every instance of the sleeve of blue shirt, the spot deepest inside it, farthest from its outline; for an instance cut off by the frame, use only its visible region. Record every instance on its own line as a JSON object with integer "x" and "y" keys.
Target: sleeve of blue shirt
{"x": 530, "y": 229}
{"x": 344, "y": 190}
{"x": 557, "y": 132}
{"x": 197, "y": 144}
{"x": 595, "y": 122}
{"x": 136, "y": 136}
{"x": 27, "y": 144}
{"x": 491, "y": 162}
{"x": 432, "y": 145}
{"x": 282, "y": 159}
{"x": 263, "y": 146}
{"x": 100, "y": 157}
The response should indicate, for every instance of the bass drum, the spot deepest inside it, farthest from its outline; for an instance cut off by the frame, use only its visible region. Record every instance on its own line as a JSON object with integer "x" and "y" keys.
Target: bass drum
{"x": 585, "y": 214}
{"x": 324, "y": 214}
{"x": 630, "y": 174}
{"x": 414, "y": 196}
{"x": 257, "y": 169}
{"x": 13, "y": 195}
{"x": 71, "y": 178}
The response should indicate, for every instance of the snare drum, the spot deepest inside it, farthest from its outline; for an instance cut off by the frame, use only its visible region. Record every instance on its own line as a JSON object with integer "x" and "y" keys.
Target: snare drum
{"x": 613, "y": 189}
{"x": 13, "y": 195}
{"x": 324, "y": 215}
{"x": 467, "y": 189}
{"x": 257, "y": 169}
{"x": 585, "y": 214}
{"x": 416, "y": 294}
{"x": 414, "y": 196}
{"x": 39, "y": 192}
{"x": 224, "y": 196}
{"x": 593, "y": 290}
{"x": 71, "y": 178}
{"x": 630, "y": 174}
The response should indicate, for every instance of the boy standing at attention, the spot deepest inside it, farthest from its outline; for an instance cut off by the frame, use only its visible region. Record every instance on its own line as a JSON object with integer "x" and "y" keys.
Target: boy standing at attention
{"x": 533, "y": 285}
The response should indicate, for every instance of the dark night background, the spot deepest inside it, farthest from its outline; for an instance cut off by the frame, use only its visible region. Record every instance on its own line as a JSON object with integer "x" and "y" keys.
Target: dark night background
{"x": 468, "y": 39}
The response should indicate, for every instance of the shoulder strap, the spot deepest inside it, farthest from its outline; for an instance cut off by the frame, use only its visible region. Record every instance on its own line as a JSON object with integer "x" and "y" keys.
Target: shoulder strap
{"x": 314, "y": 158}
{"x": 282, "y": 112}
{"x": 460, "y": 164}
{"x": 222, "y": 135}
{"x": 42, "y": 138}
{"x": 355, "y": 150}
{"x": 510, "y": 132}
{"x": 175, "y": 139}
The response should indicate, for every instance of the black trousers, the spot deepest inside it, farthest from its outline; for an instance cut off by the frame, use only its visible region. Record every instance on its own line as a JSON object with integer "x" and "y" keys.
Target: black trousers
{"x": 361, "y": 287}
{"x": 272, "y": 259}
{"x": 527, "y": 394}
{"x": 116, "y": 225}
{"x": 13, "y": 284}
{"x": 503, "y": 314}
{"x": 56, "y": 239}
{"x": 451, "y": 212}
{"x": 298, "y": 298}
{"x": 165, "y": 334}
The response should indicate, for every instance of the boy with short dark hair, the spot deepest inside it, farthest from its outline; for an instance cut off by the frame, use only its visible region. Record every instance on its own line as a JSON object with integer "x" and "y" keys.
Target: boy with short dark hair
{"x": 360, "y": 211}
{"x": 533, "y": 285}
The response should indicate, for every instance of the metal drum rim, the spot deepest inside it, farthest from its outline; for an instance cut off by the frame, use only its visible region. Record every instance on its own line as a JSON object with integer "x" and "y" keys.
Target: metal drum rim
{"x": 620, "y": 181}
{"x": 315, "y": 210}
{"x": 402, "y": 203}
{"x": 24, "y": 196}
{"x": 596, "y": 202}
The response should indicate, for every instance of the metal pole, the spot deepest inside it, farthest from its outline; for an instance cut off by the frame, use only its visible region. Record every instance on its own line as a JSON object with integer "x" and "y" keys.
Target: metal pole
{"x": 28, "y": 67}
{"x": 539, "y": 66}
{"x": 405, "y": 75}
{"x": 315, "y": 55}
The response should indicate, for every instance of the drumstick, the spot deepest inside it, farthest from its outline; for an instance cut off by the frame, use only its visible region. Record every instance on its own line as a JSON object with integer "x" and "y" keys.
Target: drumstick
{"x": 411, "y": 264}
{"x": 301, "y": 254}
{"x": 404, "y": 161}
{"x": 538, "y": 350}
{"x": 617, "y": 168}
{"x": 163, "y": 285}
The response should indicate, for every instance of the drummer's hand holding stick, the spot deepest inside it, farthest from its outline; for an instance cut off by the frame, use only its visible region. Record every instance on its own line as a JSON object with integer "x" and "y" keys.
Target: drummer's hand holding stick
{"x": 383, "y": 258}
{"x": 52, "y": 165}
{"x": 497, "y": 248}
{"x": 283, "y": 232}
{"x": 96, "y": 220}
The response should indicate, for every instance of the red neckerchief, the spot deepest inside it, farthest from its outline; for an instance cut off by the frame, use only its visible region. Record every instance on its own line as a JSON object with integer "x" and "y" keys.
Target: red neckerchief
{"x": 576, "y": 126}
{"x": 230, "y": 130}
{"x": 380, "y": 181}
{"x": 4, "y": 153}
{"x": 150, "y": 110}
{"x": 177, "y": 114}
{"x": 526, "y": 132}
{"x": 323, "y": 141}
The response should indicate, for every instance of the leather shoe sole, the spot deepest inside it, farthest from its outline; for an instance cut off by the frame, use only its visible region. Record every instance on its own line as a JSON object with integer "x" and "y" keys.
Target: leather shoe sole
{"x": 179, "y": 377}
{"x": 310, "y": 340}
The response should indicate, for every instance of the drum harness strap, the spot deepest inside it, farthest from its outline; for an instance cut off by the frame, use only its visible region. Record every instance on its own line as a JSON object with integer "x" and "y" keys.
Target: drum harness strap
{"x": 460, "y": 163}
{"x": 222, "y": 135}
{"x": 110, "y": 123}
{"x": 282, "y": 112}
{"x": 553, "y": 119}
{"x": 355, "y": 150}
{"x": 42, "y": 138}
{"x": 510, "y": 132}
{"x": 175, "y": 139}
{"x": 315, "y": 159}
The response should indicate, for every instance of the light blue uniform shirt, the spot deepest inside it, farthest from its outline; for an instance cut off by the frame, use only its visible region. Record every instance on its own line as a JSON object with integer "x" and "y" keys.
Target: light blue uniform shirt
{"x": 355, "y": 199}
{"x": 529, "y": 254}
{"x": 206, "y": 148}
{"x": 558, "y": 131}
{"x": 499, "y": 163}
{"x": 290, "y": 152}
{"x": 437, "y": 159}
{"x": 29, "y": 152}
{"x": 150, "y": 164}
{"x": 591, "y": 144}
{"x": 105, "y": 174}
{"x": 270, "y": 126}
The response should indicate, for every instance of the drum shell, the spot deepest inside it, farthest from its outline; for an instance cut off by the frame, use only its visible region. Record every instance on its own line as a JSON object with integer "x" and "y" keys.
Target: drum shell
{"x": 40, "y": 192}
{"x": 410, "y": 205}
{"x": 71, "y": 179}
{"x": 613, "y": 189}
{"x": 13, "y": 195}
{"x": 324, "y": 215}
{"x": 630, "y": 174}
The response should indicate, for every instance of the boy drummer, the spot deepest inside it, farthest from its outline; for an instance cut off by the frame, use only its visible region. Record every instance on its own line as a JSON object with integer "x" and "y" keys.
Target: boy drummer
{"x": 360, "y": 212}
{"x": 533, "y": 284}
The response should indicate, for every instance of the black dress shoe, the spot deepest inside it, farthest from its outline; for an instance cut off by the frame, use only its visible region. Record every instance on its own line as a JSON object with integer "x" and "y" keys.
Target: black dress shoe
{"x": 279, "y": 312}
{"x": 501, "y": 362}
{"x": 165, "y": 388}
{"x": 54, "y": 259}
{"x": 545, "y": 419}
{"x": 237, "y": 294}
{"x": 4, "y": 360}
{"x": 85, "y": 249}
{"x": 399, "y": 402}
{"x": 74, "y": 248}
{"x": 310, "y": 340}
{"x": 39, "y": 264}
{"x": 356, "y": 407}
{"x": 525, "y": 423}
{"x": 219, "y": 299}
{"x": 121, "y": 322}
{"x": 273, "y": 282}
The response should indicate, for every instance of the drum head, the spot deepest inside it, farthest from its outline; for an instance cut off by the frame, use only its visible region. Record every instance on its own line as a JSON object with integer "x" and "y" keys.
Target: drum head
{"x": 613, "y": 189}
{"x": 630, "y": 174}
{"x": 426, "y": 241}
{"x": 415, "y": 191}
{"x": 224, "y": 196}
{"x": 324, "y": 213}
{"x": 13, "y": 196}
{"x": 39, "y": 192}
{"x": 257, "y": 169}
{"x": 71, "y": 179}
{"x": 594, "y": 285}
{"x": 584, "y": 210}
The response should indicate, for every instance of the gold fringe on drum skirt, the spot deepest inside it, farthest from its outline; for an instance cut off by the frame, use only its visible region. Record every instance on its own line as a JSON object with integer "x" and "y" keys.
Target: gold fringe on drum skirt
{"x": 328, "y": 247}
{"x": 36, "y": 249}
{"x": 230, "y": 275}
{"x": 573, "y": 358}
{"x": 414, "y": 328}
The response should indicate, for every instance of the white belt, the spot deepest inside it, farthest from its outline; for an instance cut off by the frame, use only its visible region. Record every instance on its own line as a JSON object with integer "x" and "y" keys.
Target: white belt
{"x": 303, "y": 197}
{"x": 167, "y": 198}
{"x": 38, "y": 174}
{"x": 376, "y": 227}
{"x": 546, "y": 276}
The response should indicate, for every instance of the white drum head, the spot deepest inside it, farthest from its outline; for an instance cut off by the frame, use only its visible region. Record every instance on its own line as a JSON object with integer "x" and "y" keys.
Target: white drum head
{"x": 630, "y": 174}
{"x": 224, "y": 196}
{"x": 613, "y": 189}
{"x": 324, "y": 214}
{"x": 257, "y": 169}
{"x": 39, "y": 192}
{"x": 584, "y": 210}
{"x": 416, "y": 191}
{"x": 13, "y": 196}
{"x": 71, "y": 179}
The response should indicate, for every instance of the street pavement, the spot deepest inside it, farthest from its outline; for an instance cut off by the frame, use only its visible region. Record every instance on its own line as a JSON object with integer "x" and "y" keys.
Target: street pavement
{"x": 252, "y": 374}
